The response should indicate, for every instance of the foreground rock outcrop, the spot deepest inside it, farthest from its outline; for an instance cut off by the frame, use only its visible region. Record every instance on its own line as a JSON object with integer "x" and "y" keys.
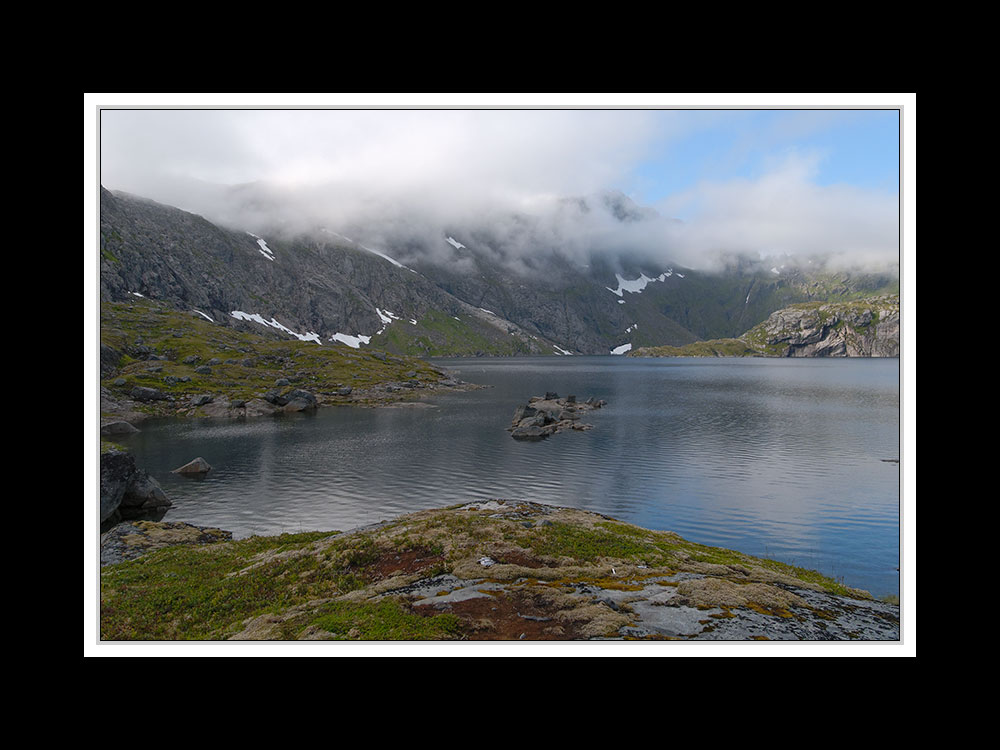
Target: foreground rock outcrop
{"x": 128, "y": 491}
{"x": 131, "y": 540}
{"x": 485, "y": 570}
{"x": 546, "y": 415}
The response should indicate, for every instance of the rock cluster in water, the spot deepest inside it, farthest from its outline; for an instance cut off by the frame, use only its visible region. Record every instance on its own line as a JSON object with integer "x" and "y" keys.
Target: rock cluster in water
{"x": 546, "y": 415}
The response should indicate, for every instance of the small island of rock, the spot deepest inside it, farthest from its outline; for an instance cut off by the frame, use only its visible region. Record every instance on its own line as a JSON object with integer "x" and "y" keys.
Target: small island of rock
{"x": 546, "y": 415}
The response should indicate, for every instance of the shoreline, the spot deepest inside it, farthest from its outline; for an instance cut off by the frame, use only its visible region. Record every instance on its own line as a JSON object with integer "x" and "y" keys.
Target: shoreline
{"x": 487, "y": 570}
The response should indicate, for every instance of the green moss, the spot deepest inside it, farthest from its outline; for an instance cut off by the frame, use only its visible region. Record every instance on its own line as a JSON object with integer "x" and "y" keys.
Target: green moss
{"x": 587, "y": 545}
{"x": 206, "y": 592}
{"x": 387, "y": 620}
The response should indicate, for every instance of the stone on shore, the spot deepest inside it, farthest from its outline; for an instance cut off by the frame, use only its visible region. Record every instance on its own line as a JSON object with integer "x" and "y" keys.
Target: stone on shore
{"x": 118, "y": 427}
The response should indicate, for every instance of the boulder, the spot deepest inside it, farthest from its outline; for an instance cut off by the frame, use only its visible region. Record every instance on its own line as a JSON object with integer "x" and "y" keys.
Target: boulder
{"x": 145, "y": 393}
{"x": 197, "y": 467}
{"x": 118, "y": 427}
{"x": 299, "y": 400}
{"x": 128, "y": 491}
{"x": 275, "y": 397}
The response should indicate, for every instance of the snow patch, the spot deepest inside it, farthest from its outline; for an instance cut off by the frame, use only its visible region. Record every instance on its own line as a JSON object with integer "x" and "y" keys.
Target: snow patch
{"x": 272, "y": 323}
{"x": 635, "y": 286}
{"x": 354, "y": 342}
{"x": 454, "y": 243}
{"x": 775, "y": 270}
{"x": 264, "y": 249}
{"x": 413, "y": 321}
{"x": 487, "y": 311}
{"x": 621, "y": 302}
{"x": 560, "y": 350}
{"x": 622, "y": 349}
{"x": 204, "y": 316}
{"x": 633, "y": 327}
{"x": 138, "y": 295}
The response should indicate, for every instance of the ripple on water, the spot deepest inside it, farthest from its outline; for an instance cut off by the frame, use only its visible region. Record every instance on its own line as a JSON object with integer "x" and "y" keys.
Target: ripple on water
{"x": 774, "y": 458}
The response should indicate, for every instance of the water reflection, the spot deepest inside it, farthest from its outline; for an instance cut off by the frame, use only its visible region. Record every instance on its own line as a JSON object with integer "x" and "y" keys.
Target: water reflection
{"x": 772, "y": 457}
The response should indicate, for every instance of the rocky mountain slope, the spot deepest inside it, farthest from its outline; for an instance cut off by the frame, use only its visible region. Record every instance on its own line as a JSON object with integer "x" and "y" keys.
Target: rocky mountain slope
{"x": 499, "y": 287}
{"x": 867, "y": 327}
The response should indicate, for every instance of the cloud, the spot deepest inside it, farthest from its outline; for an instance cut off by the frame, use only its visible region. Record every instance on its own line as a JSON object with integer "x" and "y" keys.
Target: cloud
{"x": 784, "y": 211}
{"x": 468, "y": 157}
{"x": 390, "y": 172}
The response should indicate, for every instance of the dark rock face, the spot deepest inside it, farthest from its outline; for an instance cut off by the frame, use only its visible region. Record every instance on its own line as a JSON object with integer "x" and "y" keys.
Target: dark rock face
{"x": 128, "y": 491}
{"x": 546, "y": 415}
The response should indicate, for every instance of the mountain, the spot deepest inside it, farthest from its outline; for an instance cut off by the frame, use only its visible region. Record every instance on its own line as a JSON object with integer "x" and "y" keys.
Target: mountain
{"x": 867, "y": 327}
{"x": 583, "y": 279}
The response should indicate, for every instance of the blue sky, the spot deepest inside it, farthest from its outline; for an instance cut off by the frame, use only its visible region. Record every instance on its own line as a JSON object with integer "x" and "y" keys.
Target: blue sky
{"x": 854, "y": 147}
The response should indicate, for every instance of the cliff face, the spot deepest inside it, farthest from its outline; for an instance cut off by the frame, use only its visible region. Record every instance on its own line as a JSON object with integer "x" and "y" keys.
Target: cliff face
{"x": 864, "y": 328}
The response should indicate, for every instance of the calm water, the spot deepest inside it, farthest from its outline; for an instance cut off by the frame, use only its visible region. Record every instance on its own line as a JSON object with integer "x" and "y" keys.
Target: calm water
{"x": 776, "y": 458}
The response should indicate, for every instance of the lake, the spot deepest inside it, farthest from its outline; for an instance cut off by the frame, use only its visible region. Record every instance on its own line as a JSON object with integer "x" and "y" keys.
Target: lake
{"x": 791, "y": 459}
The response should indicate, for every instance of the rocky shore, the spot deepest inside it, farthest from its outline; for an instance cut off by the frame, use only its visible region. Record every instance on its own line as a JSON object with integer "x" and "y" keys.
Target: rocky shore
{"x": 159, "y": 362}
{"x": 128, "y": 491}
{"x": 487, "y": 570}
{"x": 546, "y": 415}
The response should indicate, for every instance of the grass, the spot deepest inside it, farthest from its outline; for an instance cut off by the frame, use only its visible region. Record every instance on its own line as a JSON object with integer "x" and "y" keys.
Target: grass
{"x": 439, "y": 334}
{"x": 193, "y": 592}
{"x": 249, "y": 363}
{"x": 386, "y": 620}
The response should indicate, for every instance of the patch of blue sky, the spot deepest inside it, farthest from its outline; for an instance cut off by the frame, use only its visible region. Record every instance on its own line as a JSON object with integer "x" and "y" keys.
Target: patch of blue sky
{"x": 856, "y": 147}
